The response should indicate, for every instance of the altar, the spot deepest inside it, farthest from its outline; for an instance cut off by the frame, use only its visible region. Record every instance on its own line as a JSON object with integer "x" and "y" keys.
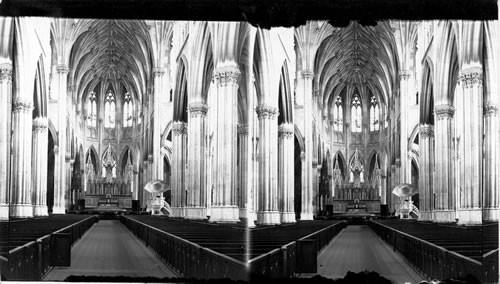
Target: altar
{"x": 108, "y": 188}
{"x": 358, "y": 192}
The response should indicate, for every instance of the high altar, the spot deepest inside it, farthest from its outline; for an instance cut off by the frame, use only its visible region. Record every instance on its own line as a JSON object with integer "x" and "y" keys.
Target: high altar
{"x": 355, "y": 192}
{"x": 108, "y": 187}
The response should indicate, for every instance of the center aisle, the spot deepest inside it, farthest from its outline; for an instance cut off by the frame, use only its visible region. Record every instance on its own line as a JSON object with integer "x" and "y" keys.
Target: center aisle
{"x": 358, "y": 248}
{"x": 109, "y": 249}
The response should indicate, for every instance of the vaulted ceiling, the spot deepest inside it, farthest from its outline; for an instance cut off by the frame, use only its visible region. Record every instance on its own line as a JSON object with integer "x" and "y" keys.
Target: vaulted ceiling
{"x": 116, "y": 52}
{"x": 362, "y": 56}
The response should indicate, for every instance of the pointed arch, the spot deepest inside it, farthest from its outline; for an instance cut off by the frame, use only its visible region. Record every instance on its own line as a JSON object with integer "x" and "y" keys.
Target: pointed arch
{"x": 92, "y": 155}
{"x": 339, "y": 156}
{"x": 427, "y": 95}
{"x": 180, "y": 93}
{"x": 285, "y": 99}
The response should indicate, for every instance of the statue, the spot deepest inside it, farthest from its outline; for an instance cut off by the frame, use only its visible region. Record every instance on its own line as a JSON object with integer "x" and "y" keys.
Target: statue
{"x": 108, "y": 165}
{"x": 357, "y": 169}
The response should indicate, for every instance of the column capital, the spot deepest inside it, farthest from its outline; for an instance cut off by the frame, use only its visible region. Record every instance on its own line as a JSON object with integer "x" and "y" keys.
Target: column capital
{"x": 227, "y": 75}
{"x": 426, "y": 131}
{"x": 5, "y": 72}
{"x": 266, "y": 112}
{"x": 198, "y": 109}
{"x": 158, "y": 71}
{"x": 40, "y": 124}
{"x": 471, "y": 77}
{"x": 404, "y": 74}
{"x": 62, "y": 68}
{"x": 490, "y": 109}
{"x": 242, "y": 129}
{"x": 285, "y": 130}
{"x": 179, "y": 128}
{"x": 307, "y": 74}
{"x": 21, "y": 105}
{"x": 444, "y": 111}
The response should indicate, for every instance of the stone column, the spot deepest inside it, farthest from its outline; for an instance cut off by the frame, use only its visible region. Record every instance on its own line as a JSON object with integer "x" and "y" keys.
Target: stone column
{"x": 472, "y": 83}
{"x": 20, "y": 195}
{"x": 196, "y": 207}
{"x": 405, "y": 175}
{"x": 307, "y": 183}
{"x": 157, "y": 169}
{"x": 224, "y": 208}
{"x": 426, "y": 136}
{"x": 39, "y": 166}
{"x": 243, "y": 170}
{"x": 60, "y": 164}
{"x": 178, "y": 200}
{"x": 268, "y": 213}
{"x": 443, "y": 174}
{"x": 5, "y": 127}
{"x": 491, "y": 203}
{"x": 286, "y": 181}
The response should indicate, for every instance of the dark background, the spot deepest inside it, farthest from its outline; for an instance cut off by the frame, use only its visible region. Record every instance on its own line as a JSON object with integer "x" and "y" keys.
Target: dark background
{"x": 264, "y": 13}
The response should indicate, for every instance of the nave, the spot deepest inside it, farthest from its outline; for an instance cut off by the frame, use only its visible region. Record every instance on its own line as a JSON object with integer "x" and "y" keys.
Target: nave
{"x": 109, "y": 249}
{"x": 357, "y": 248}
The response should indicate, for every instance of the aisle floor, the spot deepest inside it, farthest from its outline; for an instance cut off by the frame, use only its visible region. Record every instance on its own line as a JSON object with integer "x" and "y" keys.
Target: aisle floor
{"x": 110, "y": 249}
{"x": 358, "y": 248}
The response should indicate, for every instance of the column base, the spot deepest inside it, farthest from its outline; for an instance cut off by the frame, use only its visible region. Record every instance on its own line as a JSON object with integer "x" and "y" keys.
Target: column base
{"x": 470, "y": 216}
{"x": 224, "y": 214}
{"x": 491, "y": 214}
{"x": 195, "y": 213}
{"x": 177, "y": 212}
{"x": 58, "y": 210}
{"x": 243, "y": 212}
{"x": 268, "y": 217}
{"x": 306, "y": 216}
{"x": 444, "y": 216}
{"x": 252, "y": 217}
{"x": 425, "y": 216}
{"x": 40, "y": 210}
{"x": 21, "y": 211}
{"x": 288, "y": 217}
{"x": 4, "y": 211}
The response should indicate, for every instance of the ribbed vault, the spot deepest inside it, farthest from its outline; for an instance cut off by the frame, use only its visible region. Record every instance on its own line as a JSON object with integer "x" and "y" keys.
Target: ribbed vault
{"x": 112, "y": 52}
{"x": 362, "y": 56}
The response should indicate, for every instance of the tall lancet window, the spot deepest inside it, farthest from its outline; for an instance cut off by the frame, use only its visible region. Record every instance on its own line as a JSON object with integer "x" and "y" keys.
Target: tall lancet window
{"x": 127, "y": 111}
{"x": 92, "y": 111}
{"x": 109, "y": 110}
{"x": 338, "y": 115}
{"x": 374, "y": 114}
{"x": 356, "y": 113}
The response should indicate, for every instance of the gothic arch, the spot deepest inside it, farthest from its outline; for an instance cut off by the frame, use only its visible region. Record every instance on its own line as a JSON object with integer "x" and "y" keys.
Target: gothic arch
{"x": 166, "y": 132}
{"x": 285, "y": 99}
{"x": 94, "y": 157}
{"x": 53, "y": 133}
{"x": 343, "y": 161}
{"x": 447, "y": 66}
{"x": 40, "y": 94}
{"x": 300, "y": 138}
{"x": 427, "y": 95}
{"x": 180, "y": 93}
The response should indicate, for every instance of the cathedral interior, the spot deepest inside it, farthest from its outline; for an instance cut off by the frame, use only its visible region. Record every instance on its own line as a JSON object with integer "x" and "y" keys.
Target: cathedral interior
{"x": 222, "y": 124}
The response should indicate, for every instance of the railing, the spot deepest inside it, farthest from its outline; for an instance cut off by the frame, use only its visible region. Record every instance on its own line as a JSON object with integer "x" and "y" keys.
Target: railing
{"x": 490, "y": 267}
{"x": 187, "y": 259}
{"x": 31, "y": 261}
{"x": 282, "y": 262}
{"x": 431, "y": 260}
